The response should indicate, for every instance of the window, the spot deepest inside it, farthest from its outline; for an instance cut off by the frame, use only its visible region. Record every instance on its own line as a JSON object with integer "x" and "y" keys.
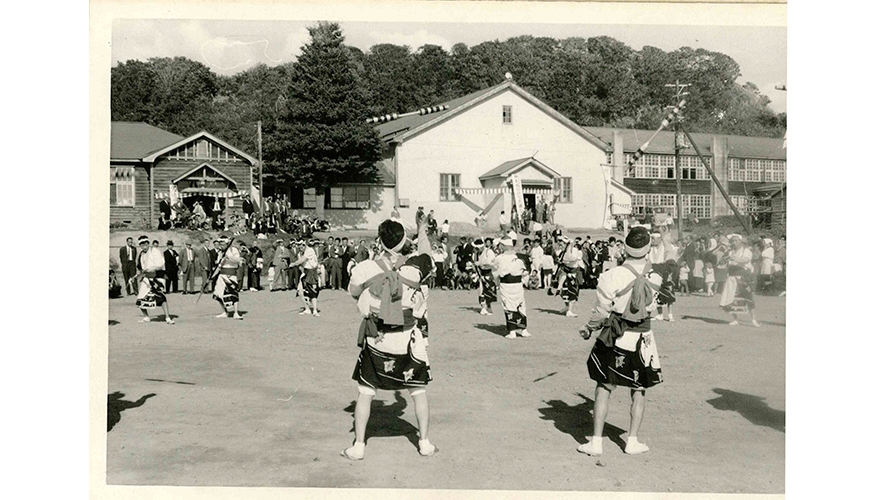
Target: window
{"x": 563, "y": 186}
{"x": 350, "y": 197}
{"x": 774, "y": 170}
{"x": 735, "y": 170}
{"x": 697, "y": 204}
{"x": 744, "y": 203}
{"x": 309, "y": 198}
{"x": 753, "y": 170}
{"x": 448, "y": 183}
{"x": 507, "y": 114}
{"x": 122, "y": 186}
{"x": 657, "y": 203}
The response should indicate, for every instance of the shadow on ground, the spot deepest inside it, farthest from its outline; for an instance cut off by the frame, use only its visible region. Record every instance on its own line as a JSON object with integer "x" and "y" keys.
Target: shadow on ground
{"x": 752, "y": 408}
{"x": 116, "y": 405}
{"x": 577, "y": 420}
{"x": 500, "y": 330}
{"x": 386, "y": 420}
{"x": 551, "y": 311}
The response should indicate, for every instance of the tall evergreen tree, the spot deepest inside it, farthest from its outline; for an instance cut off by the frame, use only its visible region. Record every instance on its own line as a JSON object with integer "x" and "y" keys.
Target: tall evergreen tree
{"x": 321, "y": 137}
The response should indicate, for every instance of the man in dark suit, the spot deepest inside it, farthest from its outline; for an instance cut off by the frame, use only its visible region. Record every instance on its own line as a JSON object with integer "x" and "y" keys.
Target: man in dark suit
{"x": 171, "y": 268}
{"x": 128, "y": 260}
{"x": 203, "y": 263}
{"x": 188, "y": 267}
{"x": 212, "y": 253}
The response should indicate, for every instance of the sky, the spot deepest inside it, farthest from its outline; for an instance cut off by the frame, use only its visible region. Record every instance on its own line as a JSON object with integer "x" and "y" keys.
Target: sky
{"x": 230, "y": 46}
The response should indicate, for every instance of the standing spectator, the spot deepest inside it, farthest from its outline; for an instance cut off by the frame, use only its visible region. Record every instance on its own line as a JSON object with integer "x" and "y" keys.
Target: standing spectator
{"x": 536, "y": 257}
{"x": 242, "y": 272}
{"x": 255, "y": 267}
{"x": 171, "y": 267}
{"x": 188, "y": 267}
{"x": 247, "y": 207}
{"x": 293, "y": 272}
{"x": 420, "y": 214}
{"x": 444, "y": 228}
{"x": 432, "y": 224}
{"x": 334, "y": 265}
{"x": 128, "y": 261}
{"x": 780, "y": 260}
{"x": 362, "y": 253}
{"x": 514, "y": 219}
{"x": 438, "y": 252}
{"x": 768, "y": 254}
{"x": 279, "y": 262}
{"x": 203, "y": 264}
{"x": 503, "y": 222}
{"x": 551, "y": 212}
{"x": 347, "y": 254}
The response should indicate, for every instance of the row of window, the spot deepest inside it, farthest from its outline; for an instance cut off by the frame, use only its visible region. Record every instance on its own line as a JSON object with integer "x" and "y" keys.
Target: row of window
{"x": 752, "y": 170}
{"x": 344, "y": 197}
{"x": 654, "y": 166}
{"x": 697, "y": 204}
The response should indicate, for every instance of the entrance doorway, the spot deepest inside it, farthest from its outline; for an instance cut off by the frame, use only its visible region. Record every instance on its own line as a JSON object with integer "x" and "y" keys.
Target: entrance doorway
{"x": 529, "y": 202}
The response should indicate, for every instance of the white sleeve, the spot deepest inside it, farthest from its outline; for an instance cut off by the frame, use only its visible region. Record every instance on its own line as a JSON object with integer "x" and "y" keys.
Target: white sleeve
{"x": 604, "y": 299}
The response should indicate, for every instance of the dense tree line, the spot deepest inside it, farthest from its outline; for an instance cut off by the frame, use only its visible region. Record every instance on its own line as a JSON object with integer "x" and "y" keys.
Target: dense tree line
{"x": 313, "y": 109}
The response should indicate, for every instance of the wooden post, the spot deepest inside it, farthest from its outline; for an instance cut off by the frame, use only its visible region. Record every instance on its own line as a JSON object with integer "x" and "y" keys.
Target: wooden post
{"x": 678, "y": 203}
{"x": 152, "y": 195}
{"x": 260, "y": 161}
{"x": 717, "y": 183}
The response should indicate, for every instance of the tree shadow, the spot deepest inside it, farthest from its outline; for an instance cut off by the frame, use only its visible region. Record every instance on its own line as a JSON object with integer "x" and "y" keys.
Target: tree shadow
{"x": 386, "y": 420}
{"x": 116, "y": 405}
{"x": 752, "y": 408}
{"x": 577, "y": 420}
{"x": 713, "y": 321}
{"x": 551, "y": 311}
{"x": 500, "y": 330}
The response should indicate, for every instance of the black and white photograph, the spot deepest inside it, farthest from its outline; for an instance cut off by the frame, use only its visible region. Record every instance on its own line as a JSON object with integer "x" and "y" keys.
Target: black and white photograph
{"x": 544, "y": 252}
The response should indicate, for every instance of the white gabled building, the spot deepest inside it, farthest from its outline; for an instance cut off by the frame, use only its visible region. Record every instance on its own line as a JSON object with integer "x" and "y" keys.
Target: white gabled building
{"x": 460, "y": 161}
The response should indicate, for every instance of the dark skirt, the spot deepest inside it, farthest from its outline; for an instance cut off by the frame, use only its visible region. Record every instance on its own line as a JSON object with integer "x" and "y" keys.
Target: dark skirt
{"x": 310, "y": 284}
{"x": 488, "y": 290}
{"x": 516, "y": 320}
{"x": 616, "y": 366}
{"x": 155, "y": 297}
{"x": 390, "y": 372}
{"x": 571, "y": 288}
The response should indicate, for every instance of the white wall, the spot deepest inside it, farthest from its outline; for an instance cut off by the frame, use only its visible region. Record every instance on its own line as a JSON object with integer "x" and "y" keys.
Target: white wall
{"x": 477, "y": 141}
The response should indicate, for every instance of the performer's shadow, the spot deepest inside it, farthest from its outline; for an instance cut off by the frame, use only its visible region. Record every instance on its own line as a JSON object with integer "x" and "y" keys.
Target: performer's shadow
{"x": 550, "y": 311}
{"x": 577, "y": 420}
{"x": 116, "y": 405}
{"x": 500, "y": 330}
{"x": 752, "y": 408}
{"x": 386, "y": 420}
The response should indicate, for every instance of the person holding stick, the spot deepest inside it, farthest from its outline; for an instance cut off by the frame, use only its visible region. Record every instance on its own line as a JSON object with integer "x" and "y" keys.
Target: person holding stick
{"x": 509, "y": 270}
{"x": 393, "y": 356}
{"x": 150, "y": 280}
{"x": 308, "y": 259}
{"x": 624, "y": 352}
{"x": 226, "y": 275}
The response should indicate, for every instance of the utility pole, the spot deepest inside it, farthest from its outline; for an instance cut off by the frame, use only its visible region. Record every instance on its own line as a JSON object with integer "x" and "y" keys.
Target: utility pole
{"x": 679, "y": 93}
{"x": 260, "y": 161}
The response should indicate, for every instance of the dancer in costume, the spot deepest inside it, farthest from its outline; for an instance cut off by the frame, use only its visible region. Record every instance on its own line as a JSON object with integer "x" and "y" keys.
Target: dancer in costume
{"x": 393, "y": 350}
{"x": 488, "y": 290}
{"x": 624, "y": 352}
{"x": 308, "y": 259}
{"x": 151, "y": 280}
{"x": 572, "y": 259}
{"x": 226, "y": 286}
{"x": 510, "y": 270}
{"x": 738, "y": 289}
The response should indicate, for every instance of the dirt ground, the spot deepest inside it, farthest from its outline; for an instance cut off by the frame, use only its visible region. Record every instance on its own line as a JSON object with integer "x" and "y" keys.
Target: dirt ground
{"x": 268, "y": 401}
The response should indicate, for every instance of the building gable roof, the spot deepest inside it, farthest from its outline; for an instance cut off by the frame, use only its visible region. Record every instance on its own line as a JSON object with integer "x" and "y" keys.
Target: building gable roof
{"x": 135, "y": 140}
{"x": 738, "y": 146}
{"x": 404, "y": 128}
{"x": 203, "y": 134}
{"x": 509, "y": 167}
{"x": 203, "y": 165}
